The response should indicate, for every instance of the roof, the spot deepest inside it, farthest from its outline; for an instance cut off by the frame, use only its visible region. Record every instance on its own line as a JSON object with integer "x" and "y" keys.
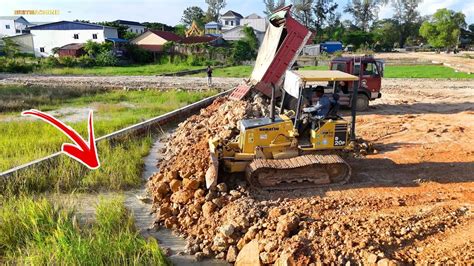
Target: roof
{"x": 116, "y": 40}
{"x": 332, "y": 42}
{"x": 324, "y": 75}
{"x": 14, "y": 18}
{"x": 198, "y": 39}
{"x": 128, "y": 22}
{"x": 68, "y": 25}
{"x": 167, "y": 35}
{"x": 253, "y": 16}
{"x": 72, "y": 46}
{"x": 231, "y": 13}
{"x": 212, "y": 23}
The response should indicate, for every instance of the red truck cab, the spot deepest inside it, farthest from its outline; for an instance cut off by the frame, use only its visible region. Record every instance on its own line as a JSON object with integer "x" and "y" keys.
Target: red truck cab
{"x": 370, "y": 73}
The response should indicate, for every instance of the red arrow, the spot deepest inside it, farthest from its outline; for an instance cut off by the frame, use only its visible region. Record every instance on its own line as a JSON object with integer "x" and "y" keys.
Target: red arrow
{"x": 85, "y": 154}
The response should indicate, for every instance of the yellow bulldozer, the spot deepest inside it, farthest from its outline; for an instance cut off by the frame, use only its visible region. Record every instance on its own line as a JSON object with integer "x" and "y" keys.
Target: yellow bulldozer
{"x": 280, "y": 151}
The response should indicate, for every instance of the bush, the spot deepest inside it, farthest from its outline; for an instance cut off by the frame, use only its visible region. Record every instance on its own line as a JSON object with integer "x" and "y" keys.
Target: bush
{"x": 85, "y": 61}
{"x": 138, "y": 55}
{"x": 50, "y": 62}
{"x": 106, "y": 58}
{"x": 67, "y": 61}
{"x": 12, "y": 65}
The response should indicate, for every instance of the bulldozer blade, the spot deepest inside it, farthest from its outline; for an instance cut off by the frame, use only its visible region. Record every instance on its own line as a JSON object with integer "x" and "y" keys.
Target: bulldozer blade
{"x": 212, "y": 173}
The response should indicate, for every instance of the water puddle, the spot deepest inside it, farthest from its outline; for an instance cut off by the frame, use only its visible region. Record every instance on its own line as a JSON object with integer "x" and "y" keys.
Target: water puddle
{"x": 144, "y": 219}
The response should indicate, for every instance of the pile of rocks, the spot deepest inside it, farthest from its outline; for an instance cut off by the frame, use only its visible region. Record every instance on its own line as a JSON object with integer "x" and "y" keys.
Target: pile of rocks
{"x": 235, "y": 223}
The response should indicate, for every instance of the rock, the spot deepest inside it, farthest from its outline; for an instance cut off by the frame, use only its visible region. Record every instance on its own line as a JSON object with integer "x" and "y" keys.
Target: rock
{"x": 208, "y": 208}
{"x": 227, "y": 230}
{"x": 199, "y": 256}
{"x": 231, "y": 254}
{"x": 175, "y": 185}
{"x": 181, "y": 196}
{"x": 286, "y": 260}
{"x": 384, "y": 262}
{"x": 249, "y": 255}
{"x": 271, "y": 246}
{"x": 162, "y": 188}
{"x": 190, "y": 184}
{"x": 171, "y": 175}
{"x": 275, "y": 213}
{"x": 218, "y": 201}
{"x": 200, "y": 193}
{"x": 222, "y": 187}
{"x": 371, "y": 258}
{"x": 287, "y": 224}
{"x": 267, "y": 258}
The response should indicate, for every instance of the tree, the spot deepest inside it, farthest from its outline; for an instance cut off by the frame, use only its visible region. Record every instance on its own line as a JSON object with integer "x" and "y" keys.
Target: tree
{"x": 303, "y": 12}
{"x": 335, "y": 29}
{"x": 180, "y": 30}
{"x": 443, "y": 29}
{"x": 129, "y": 35}
{"x": 364, "y": 11}
{"x": 214, "y": 9}
{"x": 158, "y": 26}
{"x": 250, "y": 38}
{"x": 10, "y": 48}
{"x": 407, "y": 18}
{"x": 386, "y": 34}
{"x": 271, "y": 6}
{"x": 323, "y": 10}
{"x": 193, "y": 13}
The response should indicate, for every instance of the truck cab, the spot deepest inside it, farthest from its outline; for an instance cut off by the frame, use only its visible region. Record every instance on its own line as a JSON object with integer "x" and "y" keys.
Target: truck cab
{"x": 370, "y": 73}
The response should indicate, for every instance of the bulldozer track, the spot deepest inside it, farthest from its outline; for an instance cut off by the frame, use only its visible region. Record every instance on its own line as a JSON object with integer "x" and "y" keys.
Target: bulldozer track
{"x": 306, "y": 171}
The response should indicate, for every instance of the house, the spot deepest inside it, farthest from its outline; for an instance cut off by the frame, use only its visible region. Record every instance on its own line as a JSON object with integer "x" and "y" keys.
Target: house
{"x": 13, "y": 25}
{"x": 133, "y": 26}
{"x": 255, "y": 21}
{"x": 230, "y": 19}
{"x": 154, "y": 40}
{"x": 237, "y": 33}
{"x": 213, "y": 28}
{"x": 45, "y": 37}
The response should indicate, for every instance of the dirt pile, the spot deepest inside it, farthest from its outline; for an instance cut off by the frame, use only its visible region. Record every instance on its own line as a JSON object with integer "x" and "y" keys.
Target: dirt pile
{"x": 384, "y": 216}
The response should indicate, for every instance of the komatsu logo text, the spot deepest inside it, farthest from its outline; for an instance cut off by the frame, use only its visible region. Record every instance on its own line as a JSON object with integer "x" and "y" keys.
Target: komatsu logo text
{"x": 269, "y": 129}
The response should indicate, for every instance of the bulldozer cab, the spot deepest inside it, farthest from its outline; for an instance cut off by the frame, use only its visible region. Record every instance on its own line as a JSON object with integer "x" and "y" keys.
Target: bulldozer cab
{"x": 301, "y": 84}
{"x": 316, "y": 132}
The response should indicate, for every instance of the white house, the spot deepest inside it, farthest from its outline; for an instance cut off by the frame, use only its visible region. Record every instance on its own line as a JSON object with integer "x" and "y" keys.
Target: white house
{"x": 230, "y": 19}
{"x": 13, "y": 25}
{"x": 237, "y": 33}
{"x": 57, "y": 34}
{"x": 133, "y": 26}
{"x": 255, "y": 21}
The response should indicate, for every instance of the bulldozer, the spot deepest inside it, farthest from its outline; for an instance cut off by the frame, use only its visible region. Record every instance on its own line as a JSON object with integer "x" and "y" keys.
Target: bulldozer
{"x": 280, "y": 151}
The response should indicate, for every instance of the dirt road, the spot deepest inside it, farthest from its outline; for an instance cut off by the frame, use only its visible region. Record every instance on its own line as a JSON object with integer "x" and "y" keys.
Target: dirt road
{"x": 410, "y": 201}
{"x": 459, "y": 62}
{"x": 119, "y": 82}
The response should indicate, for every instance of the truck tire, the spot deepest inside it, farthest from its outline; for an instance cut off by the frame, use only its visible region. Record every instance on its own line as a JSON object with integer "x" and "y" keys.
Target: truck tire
{"x": 362, "y": 103}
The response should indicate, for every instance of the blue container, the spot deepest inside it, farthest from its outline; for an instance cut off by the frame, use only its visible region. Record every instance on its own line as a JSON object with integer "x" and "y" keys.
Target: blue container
{"x": 331, "y": 47}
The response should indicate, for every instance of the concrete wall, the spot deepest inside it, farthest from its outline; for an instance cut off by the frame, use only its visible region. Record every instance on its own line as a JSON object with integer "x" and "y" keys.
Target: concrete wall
{"x": 25, "y": 43}
{"x": 259, "y": 24}
{"x": 149, "y": 38}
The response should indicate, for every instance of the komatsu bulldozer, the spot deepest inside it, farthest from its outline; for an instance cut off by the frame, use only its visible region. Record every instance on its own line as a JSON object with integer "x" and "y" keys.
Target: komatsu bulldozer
{"x": 283, "y": 151}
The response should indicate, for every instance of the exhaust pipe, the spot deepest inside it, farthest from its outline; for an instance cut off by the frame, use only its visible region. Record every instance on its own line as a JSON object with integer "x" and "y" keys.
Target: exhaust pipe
{"x": 272, "y": 104}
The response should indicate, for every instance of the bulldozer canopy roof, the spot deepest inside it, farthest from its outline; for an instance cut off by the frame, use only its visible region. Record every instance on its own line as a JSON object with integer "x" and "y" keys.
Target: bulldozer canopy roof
{"x": 324, "y": 75}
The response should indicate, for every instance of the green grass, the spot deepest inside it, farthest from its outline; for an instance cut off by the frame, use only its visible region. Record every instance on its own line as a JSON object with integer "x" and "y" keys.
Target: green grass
{"x": 424, "y": 71}
{"x": 138, "y": 70}
{"x": 35, "y": 231}
{"x": 25, "y": 140}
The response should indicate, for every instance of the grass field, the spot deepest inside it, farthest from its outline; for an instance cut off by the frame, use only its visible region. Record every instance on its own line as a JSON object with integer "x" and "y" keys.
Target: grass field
{"x": 36, "y": 231}
{"x": 24, "y": 140}
{"x": 424, "y": 71}
{"x": 132, "y": 70}
{"x": 418, "y": 71}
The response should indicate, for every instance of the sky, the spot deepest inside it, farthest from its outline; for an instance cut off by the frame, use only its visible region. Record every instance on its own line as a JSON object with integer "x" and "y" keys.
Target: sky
{"x": 170, "y": 11}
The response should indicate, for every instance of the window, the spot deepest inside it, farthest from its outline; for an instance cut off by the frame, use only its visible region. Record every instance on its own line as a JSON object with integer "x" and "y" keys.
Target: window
{"x": 94, "y": 36}
{"x": 227, "y": 22}
{"x": 42, "y": 49}
{"x": 339, "y": 66}
{"x": 7, "y": 27}
{"x": 370, "y": 69}
{"x": 76, "y": 36}
{"x": 18, "y": 31}
{"x": 136, "y": 30}
{"x": 232, "y": 23}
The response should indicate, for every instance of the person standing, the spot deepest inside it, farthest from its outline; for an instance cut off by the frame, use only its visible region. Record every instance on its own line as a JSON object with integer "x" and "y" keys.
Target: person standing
{"x": 209, "y": 76}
